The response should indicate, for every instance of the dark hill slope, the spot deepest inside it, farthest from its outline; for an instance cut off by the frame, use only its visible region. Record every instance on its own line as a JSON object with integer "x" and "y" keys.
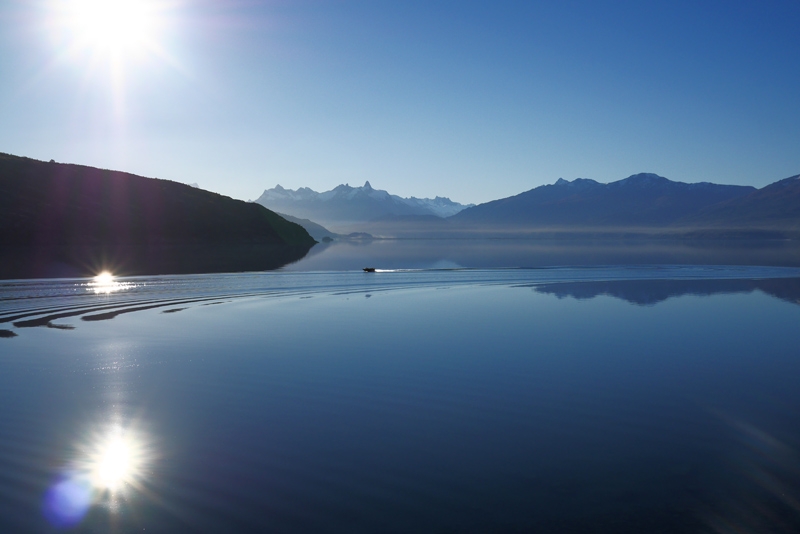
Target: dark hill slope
{"x": 776, "y": 206}
{"x": 317, "y": 231}
{"x": 67, "y": 220}
{"x": 641, "y": 200}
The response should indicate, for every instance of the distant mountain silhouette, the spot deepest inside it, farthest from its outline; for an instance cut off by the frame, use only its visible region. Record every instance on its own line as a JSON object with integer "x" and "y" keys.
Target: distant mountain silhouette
{"x": 650, "y": 292}
{"x": 71, "y": 220}
{"x": 639, "y": 201}
{"x": 347, "y": 205}
{"x": 642, "y": 205}
{"x": 776, "y": 206}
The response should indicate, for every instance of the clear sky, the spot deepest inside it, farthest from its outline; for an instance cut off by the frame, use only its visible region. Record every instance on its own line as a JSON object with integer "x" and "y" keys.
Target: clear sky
{"x": 471, "y": 100}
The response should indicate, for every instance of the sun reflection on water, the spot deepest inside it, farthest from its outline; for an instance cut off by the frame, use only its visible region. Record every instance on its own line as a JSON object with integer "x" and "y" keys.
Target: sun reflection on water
{"x": 115, "y": 461}
{"x": 106, "y": 283}
{"x": 109, "y": 465}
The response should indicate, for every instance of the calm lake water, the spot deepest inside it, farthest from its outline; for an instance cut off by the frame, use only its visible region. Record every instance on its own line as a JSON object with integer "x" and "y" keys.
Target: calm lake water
{"x": 504, "y": 253}
{"x": 603, "y": 399}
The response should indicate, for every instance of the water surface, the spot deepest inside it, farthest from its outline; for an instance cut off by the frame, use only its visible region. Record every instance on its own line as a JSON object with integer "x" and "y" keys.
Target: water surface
{"x": 657, "y": 399}
{"x": 541, "y": 252}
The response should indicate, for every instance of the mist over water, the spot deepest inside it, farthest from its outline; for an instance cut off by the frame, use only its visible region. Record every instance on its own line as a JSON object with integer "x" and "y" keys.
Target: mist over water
{"x": 512, "y": 253}
{"x": 649, "y": 398}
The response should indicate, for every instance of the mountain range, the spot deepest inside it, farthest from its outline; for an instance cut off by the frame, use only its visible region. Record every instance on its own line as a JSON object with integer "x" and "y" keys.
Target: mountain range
{"x": 344, "y": 205}
{"x": 643, "y": 203}
{"x": 774, "y": 206}
{"x": 71, "y": 220}
{"x": 642, "y": 200}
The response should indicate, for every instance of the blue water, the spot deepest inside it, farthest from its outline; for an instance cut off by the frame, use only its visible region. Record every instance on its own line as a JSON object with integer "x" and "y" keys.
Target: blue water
{"x": 607, "y": 399}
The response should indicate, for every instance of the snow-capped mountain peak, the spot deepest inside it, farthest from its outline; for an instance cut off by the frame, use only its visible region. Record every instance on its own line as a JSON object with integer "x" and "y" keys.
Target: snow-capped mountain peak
{"x": 347, "y": 203}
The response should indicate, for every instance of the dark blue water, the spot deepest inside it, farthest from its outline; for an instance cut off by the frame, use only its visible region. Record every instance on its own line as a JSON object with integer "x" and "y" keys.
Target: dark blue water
{"x": 659, "y": 399}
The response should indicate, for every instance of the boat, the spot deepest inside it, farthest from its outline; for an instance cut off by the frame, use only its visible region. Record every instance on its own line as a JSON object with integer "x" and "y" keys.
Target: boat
{"x": 369, "y": 269}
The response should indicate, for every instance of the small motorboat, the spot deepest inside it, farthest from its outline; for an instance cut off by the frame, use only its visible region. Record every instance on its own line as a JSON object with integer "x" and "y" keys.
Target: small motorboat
{"x": 369, "y": 269}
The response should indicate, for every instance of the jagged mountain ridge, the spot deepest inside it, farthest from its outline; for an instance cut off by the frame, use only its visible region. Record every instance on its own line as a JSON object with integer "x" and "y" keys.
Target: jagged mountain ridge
{"x": 641, "y": 200}
{"x": 346, "y": 204}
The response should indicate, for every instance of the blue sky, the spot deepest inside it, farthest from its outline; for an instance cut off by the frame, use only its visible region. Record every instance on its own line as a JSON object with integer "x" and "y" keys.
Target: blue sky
{"x": 472, "y": 100}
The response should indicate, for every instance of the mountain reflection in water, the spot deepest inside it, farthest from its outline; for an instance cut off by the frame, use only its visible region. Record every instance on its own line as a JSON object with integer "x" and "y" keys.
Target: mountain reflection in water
{"x": 649, "y": 292}
{"x": 512, "y": 253}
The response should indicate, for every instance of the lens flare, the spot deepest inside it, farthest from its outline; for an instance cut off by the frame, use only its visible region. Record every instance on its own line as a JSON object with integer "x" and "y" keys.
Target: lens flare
{"x": 67, "y": 501}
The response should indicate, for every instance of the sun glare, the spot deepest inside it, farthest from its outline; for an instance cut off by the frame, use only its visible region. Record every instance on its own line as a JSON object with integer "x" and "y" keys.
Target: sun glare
{"x": 111, "y": 25}
{"x": 109, "y": 464}
{"x": 114, "y": 462}
{"x": 104, "y": 278}
{"x": 114, "y": 38}
{"x": 106, "y": 283}
{"x": 113, "y": 459}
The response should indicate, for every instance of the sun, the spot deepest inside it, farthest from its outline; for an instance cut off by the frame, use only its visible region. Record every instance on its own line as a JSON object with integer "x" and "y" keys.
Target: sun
{"x": 110, "y": 27}
{"x": 113, "y": 45}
